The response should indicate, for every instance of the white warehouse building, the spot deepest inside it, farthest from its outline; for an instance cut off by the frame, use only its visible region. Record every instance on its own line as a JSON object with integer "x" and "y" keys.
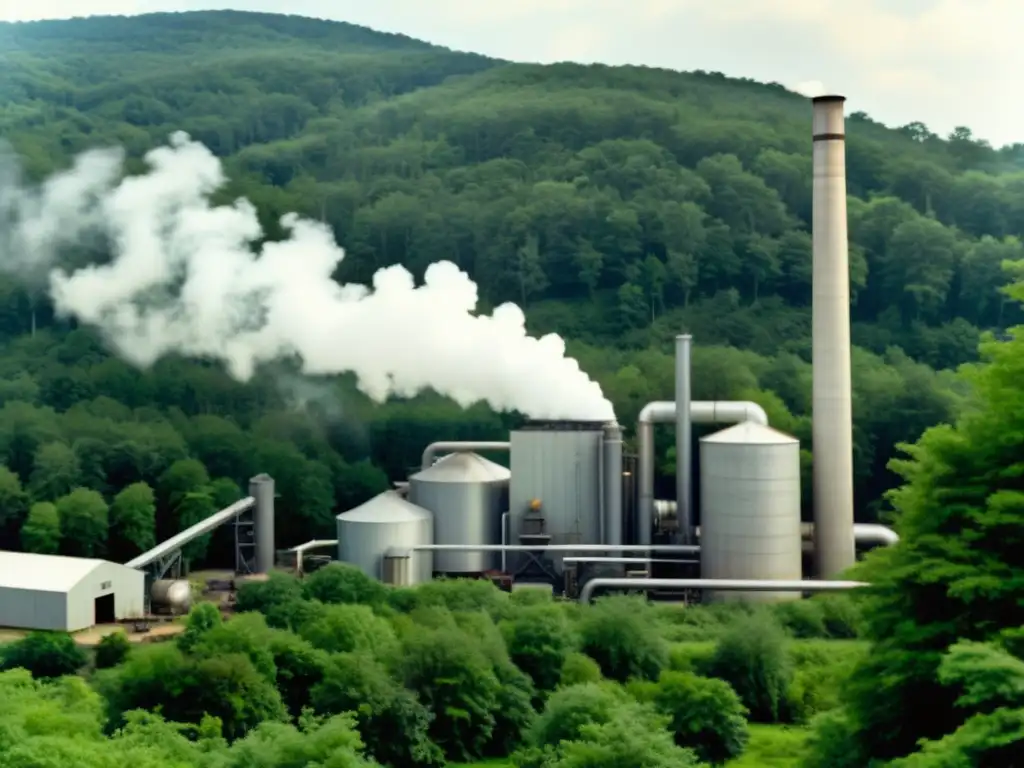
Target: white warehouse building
{"x": 66, "y": 594}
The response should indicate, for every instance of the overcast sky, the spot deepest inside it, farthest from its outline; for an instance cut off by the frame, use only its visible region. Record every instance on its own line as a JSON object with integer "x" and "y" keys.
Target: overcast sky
{"x": 943, "y": 62}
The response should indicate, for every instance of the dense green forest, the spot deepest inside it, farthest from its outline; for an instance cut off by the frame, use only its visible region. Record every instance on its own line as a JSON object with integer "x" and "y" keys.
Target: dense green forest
{"x": 618, "y": 206}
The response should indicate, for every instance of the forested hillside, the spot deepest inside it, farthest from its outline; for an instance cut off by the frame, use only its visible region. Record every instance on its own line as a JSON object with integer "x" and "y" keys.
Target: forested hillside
{"x": 619, "y": 206}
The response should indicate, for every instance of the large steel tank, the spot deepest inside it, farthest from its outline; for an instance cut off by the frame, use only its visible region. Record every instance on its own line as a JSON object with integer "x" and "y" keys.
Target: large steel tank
{"x": 367, "y": 532}
{"x": 171, "y": 596}
{"x": 750, "y": 508}
{"x": 467, "y": 495}
{"x": 557, "y": 467}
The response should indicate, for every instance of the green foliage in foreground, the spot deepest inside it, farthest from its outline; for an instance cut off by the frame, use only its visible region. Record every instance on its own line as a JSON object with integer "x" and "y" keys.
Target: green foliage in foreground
{"x": 421, "y": 677}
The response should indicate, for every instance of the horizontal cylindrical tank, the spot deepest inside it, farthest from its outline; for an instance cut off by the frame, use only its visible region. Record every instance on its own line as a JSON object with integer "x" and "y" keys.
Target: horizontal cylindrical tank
{"x": 750, "y": 509}
{"x": 367, "y": 532}
{"x": 556, "y": 478}
{"x": 173, "y": 595}
{"x": 467, "y": 495}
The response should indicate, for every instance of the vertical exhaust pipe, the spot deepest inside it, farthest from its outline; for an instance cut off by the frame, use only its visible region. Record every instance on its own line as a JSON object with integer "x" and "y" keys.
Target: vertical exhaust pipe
{"x": 684, "y": 441}
{"x": 612, "y": 457}
{"x": 831, "y": 400}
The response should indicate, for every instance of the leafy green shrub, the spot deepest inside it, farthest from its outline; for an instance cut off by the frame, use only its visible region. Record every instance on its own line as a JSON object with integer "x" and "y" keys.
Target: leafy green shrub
{"x": 705, "y": 715}
{"x": 691, "y": 657}
{"x": 112, "y": 650}
{"x": 341, "y": 583}
{"x": 616, "y": 633}
{"x": 752, "y": 657}
{"x": 455, "y": 681}
{"x": 188, "y": 689}
{"x": 463, "y": 595}
{"x": 579, "y": 668}
{"x": 278, "y": 589}
{"x": 841, "y": 614}
{"x": 351, "y": 628}
{"x": 833, "y": 743}
{"x": 392, "y": 722}
{"x": 599, "y": 725}
{"x": 45, "y": 655}
{"x": 695, "y": 623}
{"x": 820, "y": 669}
{"x": 801, "y": 618}
{"x": 539, "y": 641}
{"x": 569, "y": 709}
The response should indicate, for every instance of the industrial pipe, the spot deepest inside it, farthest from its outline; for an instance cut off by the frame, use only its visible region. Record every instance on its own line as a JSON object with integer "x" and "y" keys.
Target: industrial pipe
{"x": 701, "y": 412}
{"x": 628, "y": 560}
{"x": 301, "y": 549}
{"x": 612, "y": 475}
{"x": 681, "y": 548}
{"x": 431, "y": 451}
{"x": 863, "y": 533}
{"x": 684, "y": 440}
{"x": 831, "y": 416}
{"x": 730, "y": 585}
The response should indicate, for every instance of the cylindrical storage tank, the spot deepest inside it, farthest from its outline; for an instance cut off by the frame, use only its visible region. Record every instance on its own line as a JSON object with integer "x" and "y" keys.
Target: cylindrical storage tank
{"x": 366, "y": 533}
{"x": 750, "y": 508}
{"x": 559, "y": 464}
{"x": 171, "y": 595}
{"x": 467, "y": 494}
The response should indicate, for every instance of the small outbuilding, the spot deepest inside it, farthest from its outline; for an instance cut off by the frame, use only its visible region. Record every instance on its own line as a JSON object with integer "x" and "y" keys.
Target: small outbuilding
{"x": 66, "y": 594}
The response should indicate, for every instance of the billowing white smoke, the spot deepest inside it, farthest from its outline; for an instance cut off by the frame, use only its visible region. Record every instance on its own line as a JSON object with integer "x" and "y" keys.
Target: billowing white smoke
{"x": 184, "y": 278}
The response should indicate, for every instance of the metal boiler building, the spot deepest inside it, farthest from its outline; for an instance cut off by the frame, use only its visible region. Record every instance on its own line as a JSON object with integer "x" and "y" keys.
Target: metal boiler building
{"x": 66, "y": 594}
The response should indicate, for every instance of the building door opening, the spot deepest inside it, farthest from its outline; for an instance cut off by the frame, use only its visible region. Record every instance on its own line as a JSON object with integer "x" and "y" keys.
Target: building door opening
{"x": 105, "y": 609}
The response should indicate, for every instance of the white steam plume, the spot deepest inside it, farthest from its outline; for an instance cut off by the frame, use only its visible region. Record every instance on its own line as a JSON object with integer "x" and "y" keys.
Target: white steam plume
{"x": 184, "y": 278}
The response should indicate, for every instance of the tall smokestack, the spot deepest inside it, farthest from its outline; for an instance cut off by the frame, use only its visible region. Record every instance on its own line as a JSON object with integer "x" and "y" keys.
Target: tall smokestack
{"x": 832, "y": 417}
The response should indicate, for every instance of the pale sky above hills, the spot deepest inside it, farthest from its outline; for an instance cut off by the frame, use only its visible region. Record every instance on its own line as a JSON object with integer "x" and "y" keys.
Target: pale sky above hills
{"x": 943, "y": 62}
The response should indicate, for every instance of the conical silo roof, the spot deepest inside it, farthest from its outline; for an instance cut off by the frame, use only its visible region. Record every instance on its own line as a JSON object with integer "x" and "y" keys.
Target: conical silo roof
{"x": 463, "y": 467}
{"x": 386, "y": 507}
{"x": 750, "y": 432}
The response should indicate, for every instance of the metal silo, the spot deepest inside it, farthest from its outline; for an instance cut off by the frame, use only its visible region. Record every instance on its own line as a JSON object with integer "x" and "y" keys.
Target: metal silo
{"x": 750, "y": 508}
{"x": 467, "y": 495}
{"x": 559, "y": 465}
{"x": 366, "y": 533}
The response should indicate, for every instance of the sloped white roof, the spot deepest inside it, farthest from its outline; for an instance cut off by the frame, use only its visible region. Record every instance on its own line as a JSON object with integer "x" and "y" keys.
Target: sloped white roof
{"x": 43, "y": 573}
{"x": 386, "y": 507}
{"x": 748, "y": 432}
{"x": 463, "y": 467}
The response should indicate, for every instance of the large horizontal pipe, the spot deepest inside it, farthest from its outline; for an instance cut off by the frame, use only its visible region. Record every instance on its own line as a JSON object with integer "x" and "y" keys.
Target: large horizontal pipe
{"x": 663, "y": 411}
{"x": 863, "y": 533}
{"x": 681, "y": 548}
{"x": 628, "y": 560}
{"x": 431, "y": 451}
{"x": 733, "y": 585}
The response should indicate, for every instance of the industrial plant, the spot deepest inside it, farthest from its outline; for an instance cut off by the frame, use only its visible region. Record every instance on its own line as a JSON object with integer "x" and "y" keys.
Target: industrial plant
{"x": 573, "y": 512}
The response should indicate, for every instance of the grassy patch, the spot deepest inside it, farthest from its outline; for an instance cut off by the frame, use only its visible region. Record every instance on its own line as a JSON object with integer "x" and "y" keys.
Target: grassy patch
{"x": 485, "y": 764}
{"x": 772, "y": 746}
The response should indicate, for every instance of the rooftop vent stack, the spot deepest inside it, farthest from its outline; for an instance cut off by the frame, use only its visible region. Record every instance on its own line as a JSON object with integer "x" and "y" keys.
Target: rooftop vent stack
{"x": 832, "y": 417}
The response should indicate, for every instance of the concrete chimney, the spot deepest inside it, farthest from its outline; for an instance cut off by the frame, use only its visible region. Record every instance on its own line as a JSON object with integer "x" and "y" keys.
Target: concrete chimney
{"x": 831, "y": 401}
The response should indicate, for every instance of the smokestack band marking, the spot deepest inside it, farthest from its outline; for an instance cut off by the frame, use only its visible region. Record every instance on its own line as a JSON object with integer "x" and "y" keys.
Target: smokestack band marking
{"x": 830, "y": 137}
